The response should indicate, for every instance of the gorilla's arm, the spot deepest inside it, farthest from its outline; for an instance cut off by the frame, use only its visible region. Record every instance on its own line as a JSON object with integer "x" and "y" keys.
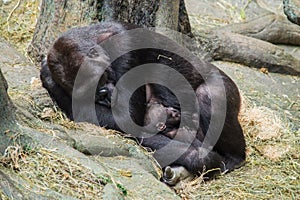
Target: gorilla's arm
{"x": 63, "y": 100}
{"x": 192, "y": 154}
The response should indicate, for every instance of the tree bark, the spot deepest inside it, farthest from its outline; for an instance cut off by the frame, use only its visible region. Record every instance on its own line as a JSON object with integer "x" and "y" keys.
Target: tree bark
{"x": 7, "y": 115}
{"x": 8, "y": 123}
{"x": 184, "y": 22}
{"x": 168, "y": 14}
{"x": 252, "y": 52}
{"x": 268, "y": 28}
{"x": 57, "y": 16}
{"x": 140, "y": 12}
{"x": 10, "y": 131}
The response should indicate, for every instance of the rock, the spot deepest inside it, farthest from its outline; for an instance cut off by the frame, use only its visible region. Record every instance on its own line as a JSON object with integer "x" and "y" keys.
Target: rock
{"x": 275, "y": 91}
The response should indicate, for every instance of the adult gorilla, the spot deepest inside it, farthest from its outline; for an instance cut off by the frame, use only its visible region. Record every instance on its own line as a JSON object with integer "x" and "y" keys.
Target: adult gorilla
{"x": 198, "y": 144}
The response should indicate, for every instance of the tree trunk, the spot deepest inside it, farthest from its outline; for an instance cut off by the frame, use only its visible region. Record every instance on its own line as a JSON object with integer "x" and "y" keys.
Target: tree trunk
{"x": 59, "y": 15}
{"x": 10, "y": 131}
{"x": 184, "y": 22}
{"x": 268, "y": 28}
{"x": 7, "y": 116}
{"x": 168, "y": 14}
{"x": 252, "y": 52}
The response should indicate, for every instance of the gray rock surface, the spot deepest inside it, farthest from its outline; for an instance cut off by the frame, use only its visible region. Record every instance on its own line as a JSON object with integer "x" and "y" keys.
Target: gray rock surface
{"x": 275, "y": 91}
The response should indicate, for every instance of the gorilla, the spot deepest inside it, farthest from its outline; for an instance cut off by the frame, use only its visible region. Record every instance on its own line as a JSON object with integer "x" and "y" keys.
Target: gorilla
{"x": 102, "y": 53}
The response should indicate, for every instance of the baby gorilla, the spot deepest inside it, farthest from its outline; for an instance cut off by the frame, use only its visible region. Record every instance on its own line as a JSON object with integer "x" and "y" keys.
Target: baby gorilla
{"x": 166, "y": 120}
